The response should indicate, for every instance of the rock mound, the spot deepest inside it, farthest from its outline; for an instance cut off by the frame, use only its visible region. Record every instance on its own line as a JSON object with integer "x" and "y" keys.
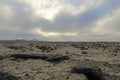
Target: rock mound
{"x": 50, "y": 57}
{"x": 92, "y": 70}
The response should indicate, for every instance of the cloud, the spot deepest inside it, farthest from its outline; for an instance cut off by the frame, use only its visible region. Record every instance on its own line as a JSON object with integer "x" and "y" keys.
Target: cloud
{"x": 108, "y": 24}
{"x": 60, "y": 19}
{"x": 55, "y": 34}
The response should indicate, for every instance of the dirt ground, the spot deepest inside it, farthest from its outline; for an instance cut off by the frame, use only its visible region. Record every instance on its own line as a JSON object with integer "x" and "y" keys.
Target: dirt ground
{"x": 29, "y": 60}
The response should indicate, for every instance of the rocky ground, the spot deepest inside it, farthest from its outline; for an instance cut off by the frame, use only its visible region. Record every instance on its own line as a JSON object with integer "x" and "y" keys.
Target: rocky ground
{"x": 27, "y": 60}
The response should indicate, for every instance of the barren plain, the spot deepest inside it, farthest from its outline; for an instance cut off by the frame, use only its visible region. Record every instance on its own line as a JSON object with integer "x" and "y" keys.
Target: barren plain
{"x": 35, "y": 60}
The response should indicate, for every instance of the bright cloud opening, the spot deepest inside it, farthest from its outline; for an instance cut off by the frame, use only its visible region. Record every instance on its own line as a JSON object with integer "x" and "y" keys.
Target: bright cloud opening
{"x": 56, "y": 34}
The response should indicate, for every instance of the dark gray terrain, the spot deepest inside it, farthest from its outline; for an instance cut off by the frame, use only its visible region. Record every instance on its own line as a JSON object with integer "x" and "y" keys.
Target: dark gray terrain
{"x": 30, "y": 60}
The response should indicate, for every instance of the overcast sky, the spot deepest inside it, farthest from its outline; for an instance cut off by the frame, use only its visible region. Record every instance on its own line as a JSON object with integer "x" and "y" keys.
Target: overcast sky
{"x": 60, "y": 20}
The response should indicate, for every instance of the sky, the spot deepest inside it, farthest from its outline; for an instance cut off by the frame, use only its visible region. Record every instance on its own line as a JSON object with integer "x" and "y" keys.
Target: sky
{"x": 60, "y": 20}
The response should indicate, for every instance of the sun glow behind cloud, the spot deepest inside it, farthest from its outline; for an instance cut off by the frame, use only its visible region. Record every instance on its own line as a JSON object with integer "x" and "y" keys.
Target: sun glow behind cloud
{"x": 44, "y": 8}
{"x": 48, "y": 9}
{"x": 55, "y": 34}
